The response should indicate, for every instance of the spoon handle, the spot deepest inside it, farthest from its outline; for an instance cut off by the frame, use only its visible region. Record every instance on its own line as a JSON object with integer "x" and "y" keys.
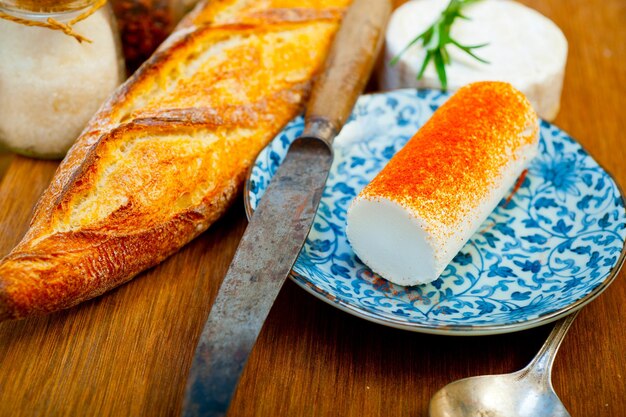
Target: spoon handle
{"x": 540, "y": 367}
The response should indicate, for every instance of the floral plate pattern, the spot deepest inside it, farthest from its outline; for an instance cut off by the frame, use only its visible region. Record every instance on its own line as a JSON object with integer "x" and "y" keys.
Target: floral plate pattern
{"x": 547, "y": 251}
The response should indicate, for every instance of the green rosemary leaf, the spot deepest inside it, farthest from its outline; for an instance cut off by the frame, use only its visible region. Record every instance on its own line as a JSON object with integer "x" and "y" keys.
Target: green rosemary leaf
{"x": 468, "y": 50}
{"x": 396, "y": 58}
{"x": 440, "y": 66}
{"x": 480, "y": 45}
{"x": 427, "y": 59}
{"x": 445, "y": 55}
{"x": 435, "y": 39}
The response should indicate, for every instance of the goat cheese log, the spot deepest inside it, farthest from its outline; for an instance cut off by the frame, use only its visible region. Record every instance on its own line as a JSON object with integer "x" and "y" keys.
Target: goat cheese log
{"x": 523, "y": 48}
{"x": 167, "y": 154}
{"x": 419, "y": 211}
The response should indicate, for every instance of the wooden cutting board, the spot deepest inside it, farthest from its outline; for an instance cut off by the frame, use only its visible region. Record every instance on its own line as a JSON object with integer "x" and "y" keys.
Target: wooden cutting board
{"x": 127, "y": 353}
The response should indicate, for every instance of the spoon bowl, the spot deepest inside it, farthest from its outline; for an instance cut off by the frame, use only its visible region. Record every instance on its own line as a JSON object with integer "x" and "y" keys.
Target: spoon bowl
{"x": 494, "y": 396}
{"x": 525, "y": 393}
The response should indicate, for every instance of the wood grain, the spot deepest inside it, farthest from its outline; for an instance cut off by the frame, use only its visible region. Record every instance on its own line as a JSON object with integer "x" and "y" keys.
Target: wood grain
{"x": 349, "y": 63}
{"x": 127, "y": 353}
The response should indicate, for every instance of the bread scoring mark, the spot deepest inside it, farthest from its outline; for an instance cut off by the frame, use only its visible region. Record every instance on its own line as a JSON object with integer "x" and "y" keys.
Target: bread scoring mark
{"x": 262, "y": 12}
{"x": 300, "y": 14}
{"x": 238, "y": 67}
{"x": 171, "y": 72}
{"x": 150, "y": 178}
{"x": 222, "y": 10}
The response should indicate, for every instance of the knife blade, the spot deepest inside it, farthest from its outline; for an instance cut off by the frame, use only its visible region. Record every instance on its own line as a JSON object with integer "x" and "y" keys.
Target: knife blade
{"x": 279, "y": 227}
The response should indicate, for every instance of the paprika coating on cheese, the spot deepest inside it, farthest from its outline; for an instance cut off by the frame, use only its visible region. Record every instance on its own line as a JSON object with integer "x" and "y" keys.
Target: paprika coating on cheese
{"x": 447, "y": 178}
{"x": 438, "y": 175}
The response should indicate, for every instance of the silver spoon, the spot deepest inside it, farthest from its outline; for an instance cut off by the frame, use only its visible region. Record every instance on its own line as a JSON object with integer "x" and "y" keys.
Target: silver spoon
{"x": 525, "y": 393}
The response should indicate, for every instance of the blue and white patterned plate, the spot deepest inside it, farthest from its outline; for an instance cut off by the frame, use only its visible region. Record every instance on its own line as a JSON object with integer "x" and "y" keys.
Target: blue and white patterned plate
{"x": 553, "y": 248}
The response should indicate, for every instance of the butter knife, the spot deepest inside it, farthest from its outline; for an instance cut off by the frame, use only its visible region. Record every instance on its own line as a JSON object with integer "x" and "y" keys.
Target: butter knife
{"x": 277, "y": 231}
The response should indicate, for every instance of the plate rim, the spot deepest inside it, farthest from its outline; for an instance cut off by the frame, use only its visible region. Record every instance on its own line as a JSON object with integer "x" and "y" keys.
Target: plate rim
{"x": 449, "y": 330}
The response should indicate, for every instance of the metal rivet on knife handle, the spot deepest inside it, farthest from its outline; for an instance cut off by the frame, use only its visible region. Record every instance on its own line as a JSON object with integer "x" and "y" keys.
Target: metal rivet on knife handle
{"x": 278, "y": 229}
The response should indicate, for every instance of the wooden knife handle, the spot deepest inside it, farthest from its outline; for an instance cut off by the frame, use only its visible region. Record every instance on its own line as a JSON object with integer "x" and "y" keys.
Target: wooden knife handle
{"x": 348, "y": 67}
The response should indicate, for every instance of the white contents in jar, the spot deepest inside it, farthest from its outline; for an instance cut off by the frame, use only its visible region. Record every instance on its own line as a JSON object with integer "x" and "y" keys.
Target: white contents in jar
{"x": 51, "y": 85}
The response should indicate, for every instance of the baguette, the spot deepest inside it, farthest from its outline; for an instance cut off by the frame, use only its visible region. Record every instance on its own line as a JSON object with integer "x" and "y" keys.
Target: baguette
{"x": 166, "y": 155}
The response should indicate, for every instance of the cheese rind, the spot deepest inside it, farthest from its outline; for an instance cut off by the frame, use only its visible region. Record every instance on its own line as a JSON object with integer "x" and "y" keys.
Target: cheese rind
{"x": 523, "y": 48}
{"x": 411, "y": 220}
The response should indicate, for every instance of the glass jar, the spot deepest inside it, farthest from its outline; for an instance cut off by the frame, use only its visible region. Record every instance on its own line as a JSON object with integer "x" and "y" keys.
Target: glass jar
{"x": 51, "y": 83}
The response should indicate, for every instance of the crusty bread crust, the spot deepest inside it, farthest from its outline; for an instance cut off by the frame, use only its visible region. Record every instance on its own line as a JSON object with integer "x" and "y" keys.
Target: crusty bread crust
{"x": 166, "y": 155}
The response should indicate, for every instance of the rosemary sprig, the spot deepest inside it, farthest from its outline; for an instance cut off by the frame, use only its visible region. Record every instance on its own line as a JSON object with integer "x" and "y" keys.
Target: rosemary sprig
{"x": 436, "y": 38}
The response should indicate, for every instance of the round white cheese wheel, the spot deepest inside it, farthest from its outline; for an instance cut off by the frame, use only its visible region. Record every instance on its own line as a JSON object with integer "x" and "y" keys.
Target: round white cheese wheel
{"x": 524, "y": 48}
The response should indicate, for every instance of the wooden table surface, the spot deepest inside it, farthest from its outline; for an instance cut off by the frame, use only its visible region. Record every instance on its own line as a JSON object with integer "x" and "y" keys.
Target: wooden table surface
{"x": 127, "y": 353}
